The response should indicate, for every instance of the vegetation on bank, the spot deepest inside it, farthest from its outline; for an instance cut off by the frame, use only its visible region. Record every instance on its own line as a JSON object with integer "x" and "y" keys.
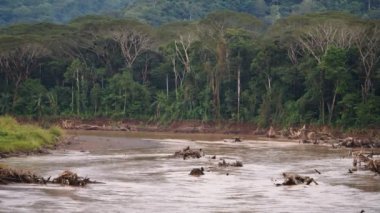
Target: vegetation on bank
{"x": 15, "y": 137}
{"x": 305, "y": 69}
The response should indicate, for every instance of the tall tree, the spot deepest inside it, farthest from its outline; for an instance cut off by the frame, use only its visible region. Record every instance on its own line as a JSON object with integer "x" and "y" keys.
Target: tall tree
{"x": 18, "y": 61}
{"x": 213, "y": 33}
{"x": 133, "y": 43}
{"x": 316, "y": 41}
{"x": 367, "y": 43}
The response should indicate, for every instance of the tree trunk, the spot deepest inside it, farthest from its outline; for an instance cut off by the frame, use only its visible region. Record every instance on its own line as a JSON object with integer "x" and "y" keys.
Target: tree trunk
{"x": 167, "y": 85}
{"x": 366, "y": 87}
{"x": 331, "y": 108}
{"x": 15, "y": 94}
{"x": 322, "y": 101}
{"x": 72, "y": 97}
{"x": 217, "y": 98}
{"x": 369, "y": 5}
{"x": 238, "y": 94}
{"x": 145, "y": 71}
{"x": 125, "y": 102}
{"x": 269, "y": 84}
{"x": 78, "y": 92}
{"x": 175, "y": 77}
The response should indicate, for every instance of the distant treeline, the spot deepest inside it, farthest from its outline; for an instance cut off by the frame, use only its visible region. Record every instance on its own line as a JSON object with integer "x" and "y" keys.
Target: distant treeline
{"x": 316, "y": 68}
{"x": 157, "y": 12}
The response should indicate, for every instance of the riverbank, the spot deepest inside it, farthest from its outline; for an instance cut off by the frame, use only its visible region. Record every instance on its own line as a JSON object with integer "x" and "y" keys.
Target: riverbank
{"x": 324, "y": 135}
{"x": 17, "y": 139}
{"x": 222, "y": 130}
{"x": 193, "y": 126}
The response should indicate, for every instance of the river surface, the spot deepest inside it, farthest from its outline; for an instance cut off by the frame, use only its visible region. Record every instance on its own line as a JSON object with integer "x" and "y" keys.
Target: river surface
{"x": 140, "y": 176}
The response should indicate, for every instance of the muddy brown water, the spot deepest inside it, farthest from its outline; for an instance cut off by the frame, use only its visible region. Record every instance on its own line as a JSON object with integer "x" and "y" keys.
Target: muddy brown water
{"x": 140, "y": 176}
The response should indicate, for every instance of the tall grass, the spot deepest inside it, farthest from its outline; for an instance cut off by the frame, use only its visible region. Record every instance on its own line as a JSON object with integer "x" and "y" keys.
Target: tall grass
{"x": 15, "y": 137}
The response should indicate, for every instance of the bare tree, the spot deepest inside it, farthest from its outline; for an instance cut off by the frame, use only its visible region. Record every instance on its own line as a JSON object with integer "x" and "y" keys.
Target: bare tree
{"x": 182, "y": 50}
{"x": 316, "y": 41}
{"x": 214, "y": 33}
{"x": 367, "y": 44}
{"x": 132, "y": 43}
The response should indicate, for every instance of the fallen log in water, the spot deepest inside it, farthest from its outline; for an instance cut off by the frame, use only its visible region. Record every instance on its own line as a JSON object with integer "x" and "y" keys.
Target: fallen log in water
{"x": 295, "y": 179}
{"x": 189, "y": 153}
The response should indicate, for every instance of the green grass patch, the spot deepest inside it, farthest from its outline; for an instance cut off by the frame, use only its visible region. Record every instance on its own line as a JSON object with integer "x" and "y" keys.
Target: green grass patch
{"x": 15, "y": 137}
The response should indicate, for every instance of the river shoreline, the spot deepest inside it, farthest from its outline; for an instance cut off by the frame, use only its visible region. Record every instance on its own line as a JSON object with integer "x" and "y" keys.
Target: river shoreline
{"x": 193, "y": 130}
{"x": 190, "y": 126}
{"x": 183, "y": 130}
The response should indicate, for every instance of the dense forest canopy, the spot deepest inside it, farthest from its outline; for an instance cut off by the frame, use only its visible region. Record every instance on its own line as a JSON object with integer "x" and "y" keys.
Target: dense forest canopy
{"x": 163, "y": 11}
{"x": 290, "y": 69}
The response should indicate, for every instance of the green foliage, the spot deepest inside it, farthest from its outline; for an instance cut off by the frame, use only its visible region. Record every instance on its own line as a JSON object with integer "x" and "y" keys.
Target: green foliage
{"x": 33, "y": 99}
{"x": 368, "y": 113}
{"x": 127, "y": 98}
{"x": 226, "y": 66}
{"x": 15, "y": 137}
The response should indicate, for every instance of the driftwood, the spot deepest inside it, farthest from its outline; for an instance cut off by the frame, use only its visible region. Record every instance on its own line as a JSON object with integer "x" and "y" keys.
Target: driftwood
{"x": 197, "y": 172}
{"x": 72, "y": 179}
{"x": 9, "y": 175}
{"x": 295, "y": 179}
{"x": 304, "y": 135}
{"x": 271, "y": 133}
{"x": 189, "y": 153}
{"x": 292, "y": 134}
{"x": 233, "y": 164}
{"x": 370, "y": 163}
{"x": 359, "y": 142}
{"x": 66, "y": 124}
{"x": 259, "y": 131}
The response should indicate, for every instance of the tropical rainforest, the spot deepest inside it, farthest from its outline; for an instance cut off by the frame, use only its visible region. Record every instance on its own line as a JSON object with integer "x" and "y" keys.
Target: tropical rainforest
{"x": 266, "y": 62}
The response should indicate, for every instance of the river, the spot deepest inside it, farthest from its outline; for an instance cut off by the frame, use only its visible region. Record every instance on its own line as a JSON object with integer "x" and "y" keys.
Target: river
{"x": 140, "y": 176}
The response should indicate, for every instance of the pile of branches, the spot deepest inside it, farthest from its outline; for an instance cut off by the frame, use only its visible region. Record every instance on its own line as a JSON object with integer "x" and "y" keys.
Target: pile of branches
{"x": 295, "y": 179}
{"x": 189, "y": 153}
{"x": 359, "y": 142}
{"x": 370, "y": 163}
{"x": 67, "y": 124}
{"x": 233, "y": 164}
{"x": 305, "y": 135}
{"x": 198, "y": 153}
{"x": 9, "y": 175}
{"x": 72, "y": 179}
